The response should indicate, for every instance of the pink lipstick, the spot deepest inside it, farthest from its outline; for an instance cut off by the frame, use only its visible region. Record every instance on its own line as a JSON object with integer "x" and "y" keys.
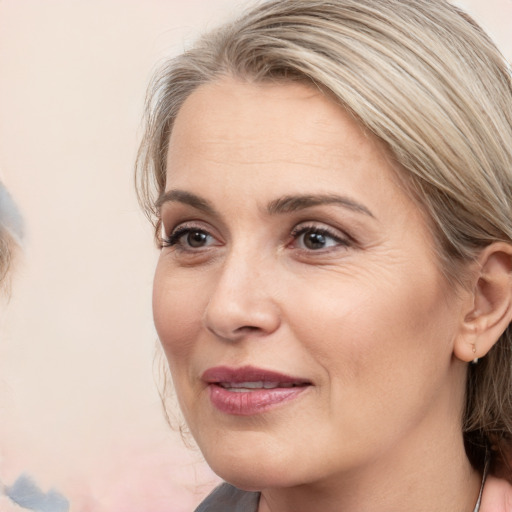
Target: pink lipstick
{"x": 247, "y": 390}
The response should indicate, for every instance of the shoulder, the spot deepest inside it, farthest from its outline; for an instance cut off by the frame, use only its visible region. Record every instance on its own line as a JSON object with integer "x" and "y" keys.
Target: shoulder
{"x": 227, "y": 498}
{"x": 497, "y": 495}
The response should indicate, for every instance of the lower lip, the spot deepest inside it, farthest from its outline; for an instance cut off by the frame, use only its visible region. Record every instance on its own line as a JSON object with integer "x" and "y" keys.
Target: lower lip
{"x": 241, "y": 403}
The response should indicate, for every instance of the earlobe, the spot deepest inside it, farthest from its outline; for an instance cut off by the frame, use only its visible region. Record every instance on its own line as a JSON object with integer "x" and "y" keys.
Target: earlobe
{"x": 490, "y": 309}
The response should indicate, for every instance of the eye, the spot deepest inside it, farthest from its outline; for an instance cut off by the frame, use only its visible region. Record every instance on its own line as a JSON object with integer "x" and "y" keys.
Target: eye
{"x": 189, "y": 238}
{"x": 315, "y": 238}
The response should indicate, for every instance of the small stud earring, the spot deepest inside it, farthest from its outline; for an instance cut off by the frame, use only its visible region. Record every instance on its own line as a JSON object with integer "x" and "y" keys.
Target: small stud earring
{"x": 475, "y": 360}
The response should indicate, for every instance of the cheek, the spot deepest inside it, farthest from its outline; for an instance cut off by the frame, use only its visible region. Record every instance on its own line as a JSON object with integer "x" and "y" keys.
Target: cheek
{"x": 177, "y": 313}
{"x": 365, "y": 327}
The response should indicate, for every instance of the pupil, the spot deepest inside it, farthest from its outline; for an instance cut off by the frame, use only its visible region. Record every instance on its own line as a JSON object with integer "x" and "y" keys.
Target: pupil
{"x": 314, "y": 241}
{"x": 196, "y": 238}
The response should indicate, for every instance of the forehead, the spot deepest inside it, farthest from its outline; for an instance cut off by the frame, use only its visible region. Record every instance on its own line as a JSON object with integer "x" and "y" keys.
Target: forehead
{"x": 233, "y": 123}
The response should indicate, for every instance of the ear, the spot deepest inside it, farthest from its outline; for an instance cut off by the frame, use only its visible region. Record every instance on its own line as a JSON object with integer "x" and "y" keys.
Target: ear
{"x": 488, "y": 310}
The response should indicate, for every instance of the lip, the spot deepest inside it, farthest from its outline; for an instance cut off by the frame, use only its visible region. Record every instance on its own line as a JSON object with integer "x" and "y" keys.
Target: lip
{"x": 248, "y": 390}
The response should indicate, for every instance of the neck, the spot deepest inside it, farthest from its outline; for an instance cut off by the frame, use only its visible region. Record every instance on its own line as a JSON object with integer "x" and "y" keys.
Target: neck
{"x": 420, "y": 477}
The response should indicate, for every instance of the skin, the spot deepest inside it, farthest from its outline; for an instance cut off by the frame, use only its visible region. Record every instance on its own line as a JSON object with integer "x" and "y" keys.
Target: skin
{"x": 367, "y": 318}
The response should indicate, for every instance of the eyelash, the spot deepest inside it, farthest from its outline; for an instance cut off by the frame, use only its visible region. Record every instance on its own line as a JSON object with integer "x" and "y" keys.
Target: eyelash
{"x": 175, "y": 237}
{"x": 321, "y": 231}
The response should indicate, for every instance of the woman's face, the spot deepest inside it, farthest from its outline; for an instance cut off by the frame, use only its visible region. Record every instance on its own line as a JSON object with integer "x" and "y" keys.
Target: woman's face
{"x": 298, "y": 298}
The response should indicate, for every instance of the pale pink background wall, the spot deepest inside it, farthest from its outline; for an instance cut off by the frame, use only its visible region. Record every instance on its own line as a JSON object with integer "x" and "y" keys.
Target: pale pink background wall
{"x": 78, "y": 404}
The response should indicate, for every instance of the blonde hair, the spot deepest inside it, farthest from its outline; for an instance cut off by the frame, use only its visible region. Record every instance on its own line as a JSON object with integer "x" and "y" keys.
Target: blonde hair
{"x": 11, "y": 234}
{"x": 420, "y": 75}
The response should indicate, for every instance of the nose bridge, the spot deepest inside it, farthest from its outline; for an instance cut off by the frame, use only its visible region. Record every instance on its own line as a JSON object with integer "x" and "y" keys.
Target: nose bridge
{"x": 241, "y": 300}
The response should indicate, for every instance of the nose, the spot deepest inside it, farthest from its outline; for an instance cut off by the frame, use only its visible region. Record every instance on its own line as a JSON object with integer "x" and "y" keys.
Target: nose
{"x": 242, "y": 301}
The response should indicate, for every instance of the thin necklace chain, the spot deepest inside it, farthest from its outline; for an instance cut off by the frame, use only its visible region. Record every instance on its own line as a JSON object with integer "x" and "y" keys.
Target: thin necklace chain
{"x": 484, "y": 476}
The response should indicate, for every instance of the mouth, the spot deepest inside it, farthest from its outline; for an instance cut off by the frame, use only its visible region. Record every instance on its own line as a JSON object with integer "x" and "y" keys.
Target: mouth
{"x": 244, "y": 387}
{"x": 247, "y": 391}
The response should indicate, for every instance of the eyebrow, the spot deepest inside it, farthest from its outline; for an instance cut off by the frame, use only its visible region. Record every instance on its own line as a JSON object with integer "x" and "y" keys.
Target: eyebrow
{"x": 182, "y": 196}
{"x": 288, "y": 204}
{"x": 285, "y": 204}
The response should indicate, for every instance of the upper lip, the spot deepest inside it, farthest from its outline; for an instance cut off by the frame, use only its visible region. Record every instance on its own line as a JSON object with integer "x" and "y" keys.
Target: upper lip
{"x": 219, "y": 374}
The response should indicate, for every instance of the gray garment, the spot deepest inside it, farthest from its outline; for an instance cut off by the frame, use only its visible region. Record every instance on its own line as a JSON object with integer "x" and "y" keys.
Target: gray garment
{"x": 227, "y": 498}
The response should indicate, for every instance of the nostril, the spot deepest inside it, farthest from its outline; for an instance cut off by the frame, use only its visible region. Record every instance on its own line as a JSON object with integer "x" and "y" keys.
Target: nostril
{"x": 236, "y": 334}
{"x": 232, "y": 316}
{"x": 248, "y": 328}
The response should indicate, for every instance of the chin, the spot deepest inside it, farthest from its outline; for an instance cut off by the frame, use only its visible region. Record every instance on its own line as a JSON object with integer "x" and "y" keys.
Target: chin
{"x": 254, "y": 467}
{"x": 255, "y": 477}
